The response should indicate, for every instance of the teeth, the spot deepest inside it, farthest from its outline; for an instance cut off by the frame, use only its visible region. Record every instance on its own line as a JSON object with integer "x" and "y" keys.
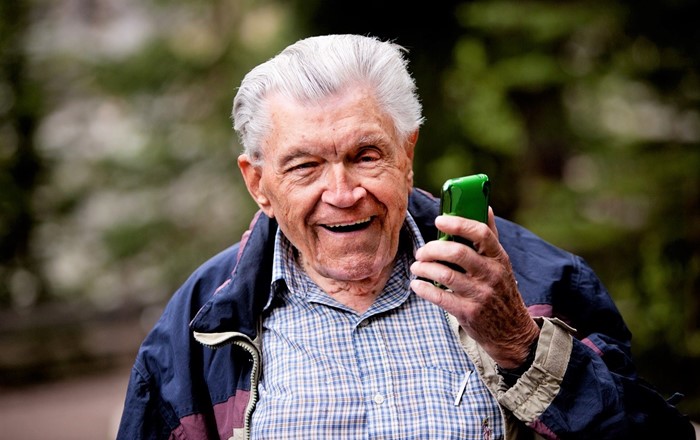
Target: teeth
{"x": 344, "y": 225}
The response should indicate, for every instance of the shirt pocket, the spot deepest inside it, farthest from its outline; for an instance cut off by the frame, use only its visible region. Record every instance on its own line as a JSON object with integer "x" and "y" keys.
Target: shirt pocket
{"x": 447, "y": 404}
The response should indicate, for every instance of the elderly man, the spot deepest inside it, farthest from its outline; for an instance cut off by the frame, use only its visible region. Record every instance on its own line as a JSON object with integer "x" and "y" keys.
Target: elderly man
{"x": 320, "y": 323}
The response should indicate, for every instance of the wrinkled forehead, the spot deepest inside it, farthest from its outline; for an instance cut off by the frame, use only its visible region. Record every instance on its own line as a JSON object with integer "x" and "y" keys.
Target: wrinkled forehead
{"x": 352, "y": 116}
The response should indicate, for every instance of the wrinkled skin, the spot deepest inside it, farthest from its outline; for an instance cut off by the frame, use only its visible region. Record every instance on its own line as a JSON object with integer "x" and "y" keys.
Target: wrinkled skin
{"x": 336, "y": 177}
{"x": 485, "y": 298}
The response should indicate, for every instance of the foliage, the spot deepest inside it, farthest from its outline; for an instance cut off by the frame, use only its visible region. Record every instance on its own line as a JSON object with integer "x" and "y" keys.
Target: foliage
{"x": 141, "y": 182}
{"x": 117, "y": 159}
{"x": 593, "y": 132}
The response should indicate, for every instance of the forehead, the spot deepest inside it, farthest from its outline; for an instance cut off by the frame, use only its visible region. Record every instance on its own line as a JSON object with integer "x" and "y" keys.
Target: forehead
{"x": 336, "y": 122}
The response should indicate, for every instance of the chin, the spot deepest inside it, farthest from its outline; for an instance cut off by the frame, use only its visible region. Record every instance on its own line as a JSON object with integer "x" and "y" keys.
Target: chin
{"x": 351, "y": 270}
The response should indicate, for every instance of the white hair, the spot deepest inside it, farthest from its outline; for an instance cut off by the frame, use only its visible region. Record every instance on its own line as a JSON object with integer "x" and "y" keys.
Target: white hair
{"x": 317, "y": 67}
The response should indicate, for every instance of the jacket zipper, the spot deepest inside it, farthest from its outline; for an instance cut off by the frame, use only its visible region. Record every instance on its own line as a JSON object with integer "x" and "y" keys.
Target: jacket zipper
{"x": 249, "y": 346}
{"x": 254, "y": 377}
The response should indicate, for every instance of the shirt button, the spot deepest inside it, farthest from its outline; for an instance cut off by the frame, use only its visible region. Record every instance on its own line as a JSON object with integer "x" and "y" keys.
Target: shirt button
{"x": 378, "y": 398}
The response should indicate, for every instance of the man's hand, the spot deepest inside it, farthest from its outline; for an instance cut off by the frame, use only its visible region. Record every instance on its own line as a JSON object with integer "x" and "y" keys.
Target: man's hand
{"x": 485, "y": 298}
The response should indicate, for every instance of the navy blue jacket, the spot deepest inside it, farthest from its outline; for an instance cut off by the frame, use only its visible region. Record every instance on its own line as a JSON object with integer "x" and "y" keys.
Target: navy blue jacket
{"x": 183, "y": 388}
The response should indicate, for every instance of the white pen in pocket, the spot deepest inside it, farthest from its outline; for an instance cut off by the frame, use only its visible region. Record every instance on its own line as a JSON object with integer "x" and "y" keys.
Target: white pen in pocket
{"x": 462, "y": 387}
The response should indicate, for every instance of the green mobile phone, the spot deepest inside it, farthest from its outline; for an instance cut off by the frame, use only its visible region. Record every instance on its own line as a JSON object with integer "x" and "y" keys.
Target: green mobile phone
{"x": 467, "y": 197}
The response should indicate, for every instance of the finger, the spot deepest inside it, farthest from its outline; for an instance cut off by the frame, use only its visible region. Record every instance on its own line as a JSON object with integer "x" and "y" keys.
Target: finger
{"x": 438, "y": 272}
{"x": 492, "y": 222}
{"x": 479, "y": 234}
{"x": 435, "y": 295}
{"x": 455, "y": 256}
{"x": 445, "y": 250}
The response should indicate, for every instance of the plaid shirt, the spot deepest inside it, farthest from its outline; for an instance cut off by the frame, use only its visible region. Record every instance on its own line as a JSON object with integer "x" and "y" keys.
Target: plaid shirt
{"x": 396, "y": 371}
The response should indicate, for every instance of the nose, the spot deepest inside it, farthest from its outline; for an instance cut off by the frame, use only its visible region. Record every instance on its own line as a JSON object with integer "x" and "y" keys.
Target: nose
{"x": 341, "y": 189}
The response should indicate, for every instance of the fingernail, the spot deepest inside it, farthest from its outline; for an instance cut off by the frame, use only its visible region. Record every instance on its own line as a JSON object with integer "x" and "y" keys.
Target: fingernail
{"x": 440, "y": 220}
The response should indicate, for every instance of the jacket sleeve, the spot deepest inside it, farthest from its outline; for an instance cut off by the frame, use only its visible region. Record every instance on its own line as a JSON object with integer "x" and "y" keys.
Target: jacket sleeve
{"x": 582, "y": 383}
{"x": 170, "y": 395}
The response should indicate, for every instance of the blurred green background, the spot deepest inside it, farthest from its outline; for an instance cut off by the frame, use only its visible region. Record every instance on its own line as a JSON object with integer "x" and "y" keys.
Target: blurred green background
{"x": 118, "y": 168}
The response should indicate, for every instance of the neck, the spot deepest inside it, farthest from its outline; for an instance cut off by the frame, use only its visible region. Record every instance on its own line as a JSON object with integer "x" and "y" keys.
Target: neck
{"x": 359, "y": 295}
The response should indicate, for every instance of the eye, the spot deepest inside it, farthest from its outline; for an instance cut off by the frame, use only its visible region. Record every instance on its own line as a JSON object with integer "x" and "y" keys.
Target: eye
{"x": 302, "y": 167}
{"x": 369, "y": 154}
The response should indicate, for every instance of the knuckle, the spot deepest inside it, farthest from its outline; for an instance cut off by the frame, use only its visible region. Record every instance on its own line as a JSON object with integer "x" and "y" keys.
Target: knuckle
{"x": 456, "y": 252}
{"x": 448, "y": 276}
{"x": 482, "y": 232}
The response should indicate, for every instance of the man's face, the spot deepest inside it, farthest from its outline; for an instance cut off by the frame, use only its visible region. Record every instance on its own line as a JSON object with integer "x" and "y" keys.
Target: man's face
{"x": 337, "y": 178}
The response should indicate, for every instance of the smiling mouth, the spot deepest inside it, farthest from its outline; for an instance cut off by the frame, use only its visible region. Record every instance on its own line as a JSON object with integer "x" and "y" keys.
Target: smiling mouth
{"x": 350, "y": 227}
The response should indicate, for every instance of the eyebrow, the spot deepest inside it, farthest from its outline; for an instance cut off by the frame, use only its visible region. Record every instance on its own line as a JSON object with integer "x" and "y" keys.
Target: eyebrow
{"x": 371, "y": 139}
{"x": 297, "y": 152}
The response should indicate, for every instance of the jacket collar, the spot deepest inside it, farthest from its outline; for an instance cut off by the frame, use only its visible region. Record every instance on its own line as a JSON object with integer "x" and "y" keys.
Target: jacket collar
{"x": 236, "y": 306}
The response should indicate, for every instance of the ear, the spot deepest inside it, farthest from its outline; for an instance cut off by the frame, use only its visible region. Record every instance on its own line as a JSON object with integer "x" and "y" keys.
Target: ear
{"x": 252, "y": 175}
{"x": 411, "y": 141}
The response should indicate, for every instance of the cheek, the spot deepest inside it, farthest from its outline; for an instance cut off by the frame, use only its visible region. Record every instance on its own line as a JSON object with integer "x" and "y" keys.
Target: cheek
{"x": 283, "y": 209}
{"x": 394, "y": 197}
{"x": 398, "y": 189}
{"x": 292, "y": 206}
